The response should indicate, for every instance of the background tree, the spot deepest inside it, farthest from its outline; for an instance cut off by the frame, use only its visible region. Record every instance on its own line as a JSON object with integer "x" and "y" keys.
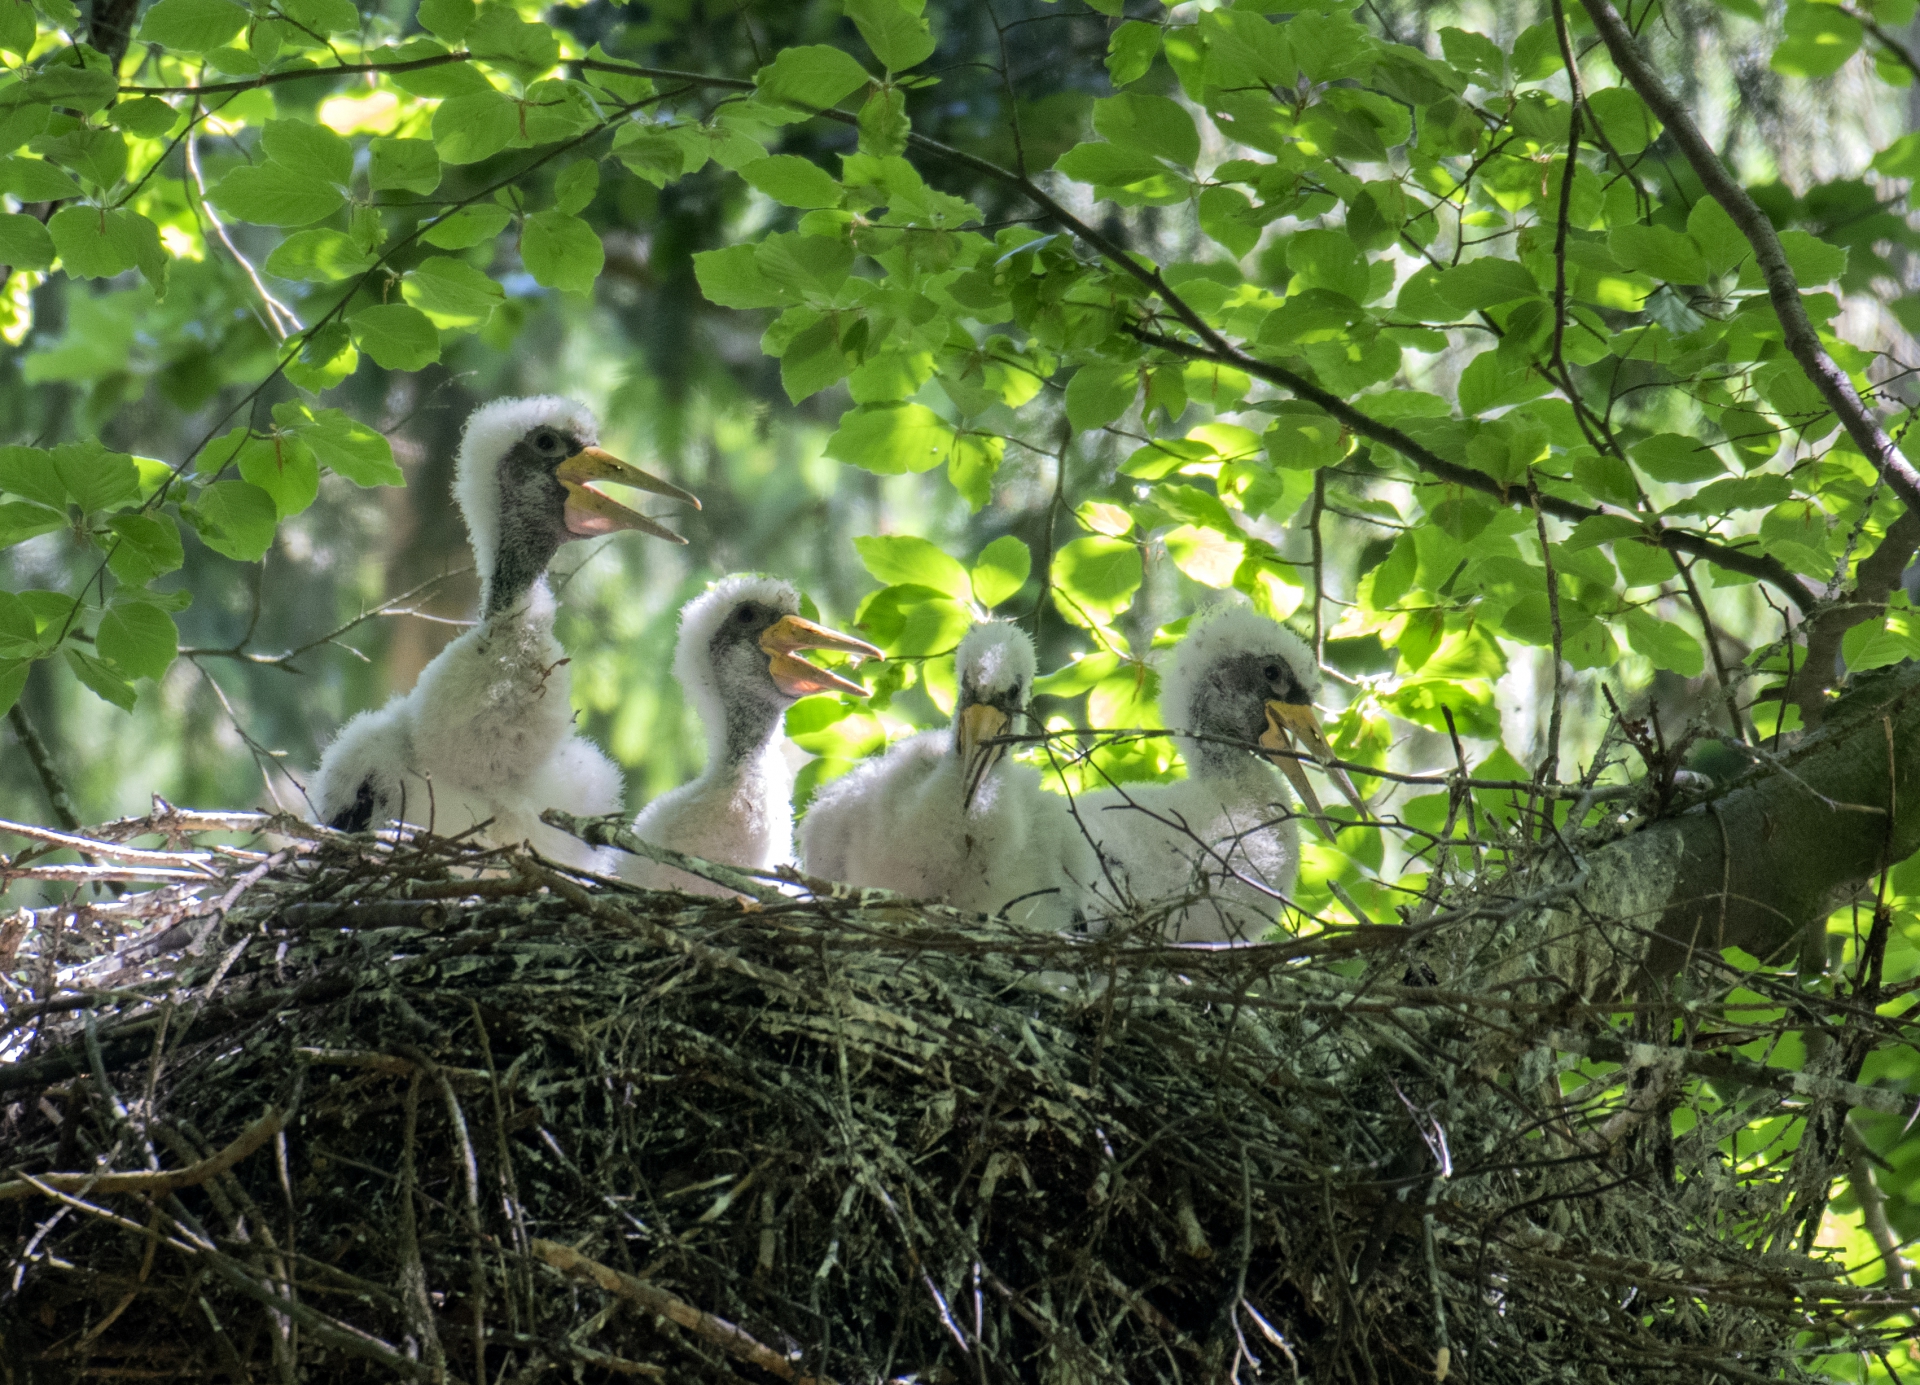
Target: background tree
{"x": 1445, "y": 335}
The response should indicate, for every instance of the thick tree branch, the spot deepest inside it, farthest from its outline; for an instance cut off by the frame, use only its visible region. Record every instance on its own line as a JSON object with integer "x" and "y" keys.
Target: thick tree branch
{"x": 56, "y": 788}
{"x": 1778, "y": 847}
{"x": 1801, "y": 338}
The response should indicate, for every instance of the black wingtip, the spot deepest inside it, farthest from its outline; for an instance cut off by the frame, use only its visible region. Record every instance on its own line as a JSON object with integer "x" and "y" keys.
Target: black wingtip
{"x": 358, "y": 815}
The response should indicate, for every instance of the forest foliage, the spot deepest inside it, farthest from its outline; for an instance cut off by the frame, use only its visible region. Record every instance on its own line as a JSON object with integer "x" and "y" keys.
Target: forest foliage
{"x": 1400, "y": 330}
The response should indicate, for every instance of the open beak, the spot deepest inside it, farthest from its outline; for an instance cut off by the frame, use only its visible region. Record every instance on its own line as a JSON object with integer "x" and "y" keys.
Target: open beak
{"x": 590, "y": 513}
{"x": 1285, "y": 720}
{"x": 795, "y": 676}
{"x": 979, "y": 724}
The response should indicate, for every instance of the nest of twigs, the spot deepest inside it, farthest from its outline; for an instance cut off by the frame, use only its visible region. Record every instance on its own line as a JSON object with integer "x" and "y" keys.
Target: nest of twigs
{"x": 341, "y": 1109}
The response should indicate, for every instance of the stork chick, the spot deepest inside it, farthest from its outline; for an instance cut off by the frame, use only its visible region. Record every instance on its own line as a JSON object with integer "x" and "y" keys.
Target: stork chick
{"x": 948, "y": 815}
{"x": 486, "y": 734}
{"x": 1224, "y": 839}
{"x": 737, "y": 659}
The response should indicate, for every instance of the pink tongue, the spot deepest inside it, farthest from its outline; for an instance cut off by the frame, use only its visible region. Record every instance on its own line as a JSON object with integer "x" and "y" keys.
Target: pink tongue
{"x": 585, "y": 524}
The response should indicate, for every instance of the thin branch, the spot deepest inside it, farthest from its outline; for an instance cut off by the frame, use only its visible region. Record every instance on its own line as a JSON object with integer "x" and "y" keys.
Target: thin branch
{"x": 56, "y": 787}
{"x": 279, "y": 315}
{"x": 1549, "y": 770}
{"x": 1802, "y": 340}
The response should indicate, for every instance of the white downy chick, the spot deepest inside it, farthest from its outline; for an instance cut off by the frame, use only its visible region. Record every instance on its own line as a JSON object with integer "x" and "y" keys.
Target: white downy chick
{"x": 1225, "y": 837}
{"x": 736, "y": 659}
{"x": 945, "y": 816}
{"x": 486, "y": 734}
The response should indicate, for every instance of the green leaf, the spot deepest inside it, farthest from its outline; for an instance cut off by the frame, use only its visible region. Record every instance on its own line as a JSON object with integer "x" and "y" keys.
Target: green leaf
{"x": 18, "y": 29}
{"x": 972, "y": 464}
{"x": 1098, "y": 394}
{"x": 284, "y": 468}
{"x": 1760, "y": 492}
{"x": 36, "y": 180}
{"x": 404, "y": 165}
{"x": 21, "y": 520}
{"x": 446, "y": 19}
{"x": 575, "y": 188}
{"x": 322, "y": 16}
{"x": 889, "y": 439}
{"x": 398, "y": 337}
{"x": 561, "y": 252}
{"x": 234, "y": 518}
{"x": 103, "y": 679}
{"x": 1665, "y": 643}
{"x": 192, "y": 26}
{"x": 29, "y": 472}
{"x": 812, "y": 77}
{"x": 1485, "y": 283}
{"x": 1657, "y": 250}
{"x": 806, "y": 266}
{"x": 467, "y": 227}
{"x": 813, "y": 359}
{"x": 793, "y": 181}
{"x": 1811, "y": 259}
{"x": 97, "y": 156}
{"x": 896, "y": 559}
{"x": 1624, "y": 117}
{"x": 1227, "y": 216}
{"x": 94, "y": 478}
{"x": 1131, "y": 51}
{"x": 1154, "y": 126}
{"x": 733, "y": 278}
{"x": 139, "y": 638}
{"x": 98, "y": 245}
{"x": 500, "y": 36}
{"x": 1674, "y": 458}
{"x": 146, "y": 116}
{"x": 317, "y": 256}
{"x": 309, "y": 148}
{"x": 327, "y": 358}
{"x": 884, "y": 126}
{"x": 449, "y": 79}
{"x": 1097, "y": 578}
{"x": 346, "y": 446}
{"x": 467, "y": 129}
{"x": 1818, "y": 40}
{"x": 913, "y": 622}
{"x": 896, "y": 33}
{"x": 452, "y": 293}
{"x": 24, "y": 242}
{"x": 13, "y": 682}
{"x": 149, "y": 547}
{"x": 1720, "y": 241}
{"x": 1001, "y": 570}
{"x": 1303, "y": 438}
{"x": 272, "y": 194}
{"x": 1110, "y": 166}
{"x": 19, "y": 631}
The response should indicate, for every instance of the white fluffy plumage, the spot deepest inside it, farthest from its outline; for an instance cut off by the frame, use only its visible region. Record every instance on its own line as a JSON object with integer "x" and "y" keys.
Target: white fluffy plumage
{"x": 903, "y": 821}
{"x": 1225, "y": 834}
{"x": 487, "y": 731}
{"x": 739, "y": 811}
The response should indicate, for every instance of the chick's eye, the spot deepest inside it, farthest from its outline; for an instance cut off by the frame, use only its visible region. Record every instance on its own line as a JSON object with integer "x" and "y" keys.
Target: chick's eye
{"x": 546, "y": 442}
{"x": 746, "y": 615}
{"x": 1271, "y": 672}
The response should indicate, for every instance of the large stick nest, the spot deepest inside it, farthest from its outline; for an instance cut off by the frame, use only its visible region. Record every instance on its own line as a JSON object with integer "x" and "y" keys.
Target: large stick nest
{"x": 341, "y": 1109}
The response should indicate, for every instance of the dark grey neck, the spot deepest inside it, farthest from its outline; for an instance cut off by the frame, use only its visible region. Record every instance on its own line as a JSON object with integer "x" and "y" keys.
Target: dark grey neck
{"x": 752, "y": 726}
{"x": 1213, "y": 759}
{"x": 526, "y": 550}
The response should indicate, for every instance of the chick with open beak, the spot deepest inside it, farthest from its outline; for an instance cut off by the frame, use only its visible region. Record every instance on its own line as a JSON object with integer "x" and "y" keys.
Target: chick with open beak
{"x": 1285, "y": 721}
{"x": 738, "y": 662}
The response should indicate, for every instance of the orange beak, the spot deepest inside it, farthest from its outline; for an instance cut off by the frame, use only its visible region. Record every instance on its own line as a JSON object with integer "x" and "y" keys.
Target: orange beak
{"x": 1285, "y": 720}
{"x": 590, "y": 513}
{"x": 795, "y": 676}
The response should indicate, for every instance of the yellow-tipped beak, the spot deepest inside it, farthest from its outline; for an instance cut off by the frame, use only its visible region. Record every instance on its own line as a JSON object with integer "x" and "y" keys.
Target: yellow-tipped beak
{"x": 1285, "y": 720}
{"x": 979, "y": 724}
{"x": 795, "y": 676}
{"x": 590, "y": 512}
